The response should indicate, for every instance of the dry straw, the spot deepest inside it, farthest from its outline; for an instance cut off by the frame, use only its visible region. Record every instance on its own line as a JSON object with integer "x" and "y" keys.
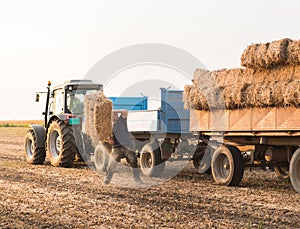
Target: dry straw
{"x": 240, "y": 88}
{"x": 102, "y": 120}
{"x": 294, "y": 53}
{"x": 91, "y": 101}
{"x": 266, "y": 55}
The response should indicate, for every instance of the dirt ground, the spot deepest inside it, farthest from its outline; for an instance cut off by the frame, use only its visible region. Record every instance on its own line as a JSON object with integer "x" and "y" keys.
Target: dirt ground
{"x": 49, "y": 197}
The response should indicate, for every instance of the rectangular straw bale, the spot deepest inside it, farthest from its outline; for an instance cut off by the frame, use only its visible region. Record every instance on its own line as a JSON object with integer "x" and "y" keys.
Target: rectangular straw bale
{"x": 266, "y": 55}
{"x": 292, "y": 94}
{"x": 90, "y": 100}
{"x": 248, "y": 56}
{"x": 260, "y": 55}
{"x": 278, "y": 93}
{"x": 198, "y": 100}
{"x": 277, "y": 52}
{"x": 284, "y": 73}
{"x": 201, "y": 76}
{"x": 233, "y": 95}
{"x": 261, "y": 75}
{"x": 228, "y": 76}
{"x": 102, "y": 119}
{"x": 257, "y": 95}
{"x": 194, "y": 98}
{"x": 294, "y": 53}
{"x": 248, "y": 76}
{"x": 296, "y": 75}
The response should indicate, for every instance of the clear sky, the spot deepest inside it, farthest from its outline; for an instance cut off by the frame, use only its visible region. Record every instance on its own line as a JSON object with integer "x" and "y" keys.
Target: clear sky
{"x": 58, "y": 40}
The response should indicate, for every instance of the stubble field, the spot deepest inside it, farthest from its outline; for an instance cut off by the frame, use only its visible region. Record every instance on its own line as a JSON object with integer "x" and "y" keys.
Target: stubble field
{"x": 48, "y": 197}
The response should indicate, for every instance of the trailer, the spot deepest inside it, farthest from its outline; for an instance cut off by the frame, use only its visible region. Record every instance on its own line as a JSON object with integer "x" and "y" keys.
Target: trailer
{"x": 272, "y": 136}
{"x": 157, "y": 135}
{"x": 223, "y": 142}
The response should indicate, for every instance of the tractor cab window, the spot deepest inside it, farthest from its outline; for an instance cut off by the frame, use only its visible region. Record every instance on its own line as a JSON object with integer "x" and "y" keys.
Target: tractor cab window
{"x": 75, "y": 100}
{"x": 58, "y": 107}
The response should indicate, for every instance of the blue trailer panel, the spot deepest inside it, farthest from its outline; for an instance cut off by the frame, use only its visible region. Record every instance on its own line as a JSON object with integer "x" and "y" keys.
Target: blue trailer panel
{"x": 170, "y": 118}
{"x": 130, "y": 103}
{"x": 173, "y": 117}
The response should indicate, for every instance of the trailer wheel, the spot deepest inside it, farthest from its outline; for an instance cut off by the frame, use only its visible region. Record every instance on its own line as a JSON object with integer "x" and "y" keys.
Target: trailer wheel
{"x": 202, "y": 159}
{"x": 33, "y": 154}
{"x": 150, "y": 161}
{"x": 61, "y": 145}
{"x": 295, "y": 170}
{"x": 227, "y": 165}
{"x": 101, "y": 156}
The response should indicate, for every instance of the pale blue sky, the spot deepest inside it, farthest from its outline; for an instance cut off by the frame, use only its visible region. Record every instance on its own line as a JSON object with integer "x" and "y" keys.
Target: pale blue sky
{"x": 58, "y": 40}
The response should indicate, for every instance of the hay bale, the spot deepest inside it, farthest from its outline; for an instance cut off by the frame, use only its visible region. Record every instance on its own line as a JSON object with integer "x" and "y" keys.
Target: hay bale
{"x": 234, "y": 95}
{"x": 90, "y": 101}
{"x": 197, "y": 99}
{"x": 294, "y": 53}
{"x": 296, "y": 75}
{"x": 186, "y": 96}
{"x": 258, "y": 95}
{"x": 248, "y": 56}
{"x": 239, "y": 88}
{"x": 202, "y": 76}
{"x": 266, "y": 55}
{"x": 279, "y": 93}
{"x": 102, "y": 120}
{"x": 292, "y": 94}
{"x": 283, "y": 73}
{"x": 228, "y": 77}
{"x": 277, "y": 52}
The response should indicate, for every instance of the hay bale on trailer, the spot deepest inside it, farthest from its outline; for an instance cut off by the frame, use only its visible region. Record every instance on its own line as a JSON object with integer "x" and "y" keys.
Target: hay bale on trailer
{"x": 266, "y": 55}
{"x": 294, "y": 53}
{"x": 244, "y": 88}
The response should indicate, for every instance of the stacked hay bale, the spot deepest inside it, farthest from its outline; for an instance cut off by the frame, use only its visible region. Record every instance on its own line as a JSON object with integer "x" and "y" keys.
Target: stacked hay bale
{"x": 271, "y": 78}
{"x": 98, "y": 111}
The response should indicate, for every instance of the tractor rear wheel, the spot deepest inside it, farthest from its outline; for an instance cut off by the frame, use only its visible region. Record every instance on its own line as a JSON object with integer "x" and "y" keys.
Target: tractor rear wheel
{"x": 61, "y": 145}
{"x": 33, "y": 154}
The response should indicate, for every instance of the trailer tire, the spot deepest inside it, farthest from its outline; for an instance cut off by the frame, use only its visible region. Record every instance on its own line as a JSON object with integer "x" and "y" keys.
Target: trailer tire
{"x": 101, "y": 156}
{"x": 200, "y": 165}
{"x": 295, "y": 170}
{"x": 150, "y": 161}
{"x": 61, "y": 145}
{"x": 33, "y": 154}
{"x": 227, "y": 165}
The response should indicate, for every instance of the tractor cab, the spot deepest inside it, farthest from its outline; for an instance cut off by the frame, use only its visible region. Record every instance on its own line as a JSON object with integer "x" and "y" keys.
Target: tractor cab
{"x": 68, "y": 98}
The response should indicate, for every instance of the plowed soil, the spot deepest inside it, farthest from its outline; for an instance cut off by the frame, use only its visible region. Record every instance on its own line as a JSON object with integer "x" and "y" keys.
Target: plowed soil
{"x": 49, "y": 197}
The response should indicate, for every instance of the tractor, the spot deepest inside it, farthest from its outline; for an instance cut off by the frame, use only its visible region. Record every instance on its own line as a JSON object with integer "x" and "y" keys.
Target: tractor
{"x": 61, "y": 138}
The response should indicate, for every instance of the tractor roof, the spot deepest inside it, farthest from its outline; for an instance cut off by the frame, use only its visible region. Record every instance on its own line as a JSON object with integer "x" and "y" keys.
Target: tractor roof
{"x": 75, "y": 82}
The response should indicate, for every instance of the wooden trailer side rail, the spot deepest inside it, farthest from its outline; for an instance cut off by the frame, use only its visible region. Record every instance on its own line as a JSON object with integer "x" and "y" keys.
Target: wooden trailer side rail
{"x": 248, "y": 121}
